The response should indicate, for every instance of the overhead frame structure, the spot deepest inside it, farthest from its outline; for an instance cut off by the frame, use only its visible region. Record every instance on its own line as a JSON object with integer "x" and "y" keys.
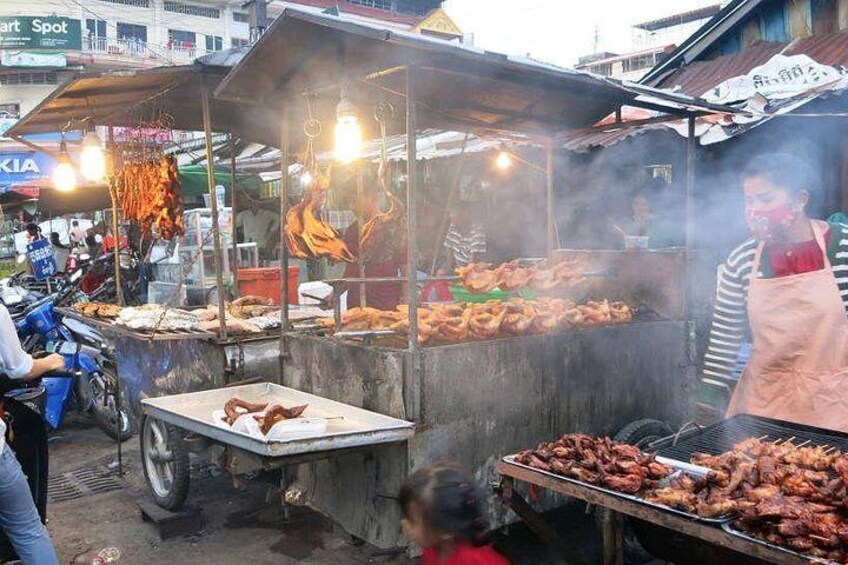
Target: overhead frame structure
{"x": 444, "y": 85}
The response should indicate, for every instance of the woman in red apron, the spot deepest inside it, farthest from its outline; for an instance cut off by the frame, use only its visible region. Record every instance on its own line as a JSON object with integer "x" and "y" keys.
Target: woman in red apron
{"x": 790, "y": 280}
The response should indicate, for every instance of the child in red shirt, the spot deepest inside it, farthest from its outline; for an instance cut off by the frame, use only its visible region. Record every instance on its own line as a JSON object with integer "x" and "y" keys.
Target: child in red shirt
{"x": 443, "y": 514}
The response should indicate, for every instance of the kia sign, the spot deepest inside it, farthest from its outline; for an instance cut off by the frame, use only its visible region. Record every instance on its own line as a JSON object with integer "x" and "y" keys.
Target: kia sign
{"x": 24, "y": 167}
{"x": 48, "y": 32}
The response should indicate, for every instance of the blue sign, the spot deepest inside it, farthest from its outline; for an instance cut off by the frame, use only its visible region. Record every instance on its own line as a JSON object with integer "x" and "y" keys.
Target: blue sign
{"x": 41, "y": 259}
{"x": 25, "y": 167}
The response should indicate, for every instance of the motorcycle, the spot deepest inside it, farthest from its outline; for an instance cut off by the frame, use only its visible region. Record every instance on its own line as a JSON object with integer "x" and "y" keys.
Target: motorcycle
{"x": 94, "y": 390}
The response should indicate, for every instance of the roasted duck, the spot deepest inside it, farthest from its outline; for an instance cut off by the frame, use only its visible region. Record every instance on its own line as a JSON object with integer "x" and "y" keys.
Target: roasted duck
{"x": 309, "y": 237}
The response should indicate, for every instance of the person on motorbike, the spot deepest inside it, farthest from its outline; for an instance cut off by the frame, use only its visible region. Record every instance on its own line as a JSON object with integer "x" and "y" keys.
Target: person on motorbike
{"x": 19, "y": 517}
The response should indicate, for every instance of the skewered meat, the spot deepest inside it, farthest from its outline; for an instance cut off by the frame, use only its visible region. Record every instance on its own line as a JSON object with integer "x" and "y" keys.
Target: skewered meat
{"x": 97, "y": 309}
{"x": 384, "y": 235}
{"x": 236, "y": 407}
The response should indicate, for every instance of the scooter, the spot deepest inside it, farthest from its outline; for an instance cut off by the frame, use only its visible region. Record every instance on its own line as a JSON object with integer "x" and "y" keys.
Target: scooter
{"x": 94, "y": 390}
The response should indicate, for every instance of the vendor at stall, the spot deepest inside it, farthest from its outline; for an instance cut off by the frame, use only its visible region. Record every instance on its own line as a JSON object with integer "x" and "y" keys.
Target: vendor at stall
{"x": 788, "y": 287}
{"x": 260, "y": 226}
{"x": 384, "y": 256}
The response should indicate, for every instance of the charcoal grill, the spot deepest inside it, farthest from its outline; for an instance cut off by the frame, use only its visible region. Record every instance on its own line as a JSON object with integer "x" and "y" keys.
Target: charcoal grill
{"x": 721, "y": 437}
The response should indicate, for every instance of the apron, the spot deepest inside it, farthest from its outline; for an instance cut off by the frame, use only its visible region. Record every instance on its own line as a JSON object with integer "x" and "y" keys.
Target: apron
{"x": 798, "y": 369}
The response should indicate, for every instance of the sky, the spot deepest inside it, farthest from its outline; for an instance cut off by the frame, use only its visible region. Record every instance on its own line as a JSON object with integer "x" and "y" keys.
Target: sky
{"x": 559, "y": 31}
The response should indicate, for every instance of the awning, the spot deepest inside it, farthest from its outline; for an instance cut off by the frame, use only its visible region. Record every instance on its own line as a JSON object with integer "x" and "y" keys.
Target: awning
{"x": 166, "y": 97}
{"x": 307, "y": 55}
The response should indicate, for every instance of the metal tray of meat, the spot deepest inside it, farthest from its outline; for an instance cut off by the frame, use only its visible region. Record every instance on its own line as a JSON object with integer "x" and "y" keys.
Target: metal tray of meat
{"x": 728, "y": 527}
{"x": 348, "y": 426}
{"x": 510, "y": 459}
{"x": 722, "y": 436}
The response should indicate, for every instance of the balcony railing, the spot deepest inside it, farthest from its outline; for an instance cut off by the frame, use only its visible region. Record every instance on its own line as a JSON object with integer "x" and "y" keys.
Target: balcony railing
{"x": 137, "y": 49}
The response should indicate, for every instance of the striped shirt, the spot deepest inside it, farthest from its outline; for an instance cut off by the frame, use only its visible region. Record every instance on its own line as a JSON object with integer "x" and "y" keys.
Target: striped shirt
{"x": 465, "y": 247}
{"x": 730, "y": 313}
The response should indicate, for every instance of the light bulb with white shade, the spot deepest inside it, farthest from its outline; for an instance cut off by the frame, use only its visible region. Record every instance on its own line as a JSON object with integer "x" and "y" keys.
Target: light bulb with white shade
{"x": 503, "y": 161}
{"x": 92, "y": 158}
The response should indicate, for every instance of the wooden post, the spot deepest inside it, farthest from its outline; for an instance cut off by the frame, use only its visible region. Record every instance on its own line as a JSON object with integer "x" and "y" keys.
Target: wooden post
{"x": 216, "y": 233}
{"x": 234, "y": 266}
{"x": 116, "y": 235}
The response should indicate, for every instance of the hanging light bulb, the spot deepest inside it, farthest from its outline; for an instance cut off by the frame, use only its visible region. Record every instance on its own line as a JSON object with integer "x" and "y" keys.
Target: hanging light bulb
{"x": 503, "y": 161}
{"x": 64, "y": 175}
{"x": 348, "y": 131}
{"x": 92, "y": 158}
{"x": 306, "y": 179}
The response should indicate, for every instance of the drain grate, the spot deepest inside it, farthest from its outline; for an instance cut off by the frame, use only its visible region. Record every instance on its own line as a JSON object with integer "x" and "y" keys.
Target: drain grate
{"x": 81, "y": 482}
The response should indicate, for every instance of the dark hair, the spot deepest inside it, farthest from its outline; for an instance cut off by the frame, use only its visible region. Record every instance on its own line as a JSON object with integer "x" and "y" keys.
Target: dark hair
{"x": 784, "y": 170}
{"x": 33, "y": 229}
{"x": 74, "y": 222}
{"x": 452, "y": 503}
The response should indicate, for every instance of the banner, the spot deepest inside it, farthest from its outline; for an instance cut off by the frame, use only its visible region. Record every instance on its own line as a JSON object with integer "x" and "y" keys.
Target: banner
{"x": 40, "y": 32}
{"x": 27, "y": 59}
{"x": 24, "y": 167}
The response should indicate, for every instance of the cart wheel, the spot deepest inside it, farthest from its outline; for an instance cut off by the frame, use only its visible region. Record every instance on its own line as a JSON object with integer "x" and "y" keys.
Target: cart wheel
{"x": 642, "y": 432}
{"x": 638, "y": 433}
{"x": 165, "y": 462}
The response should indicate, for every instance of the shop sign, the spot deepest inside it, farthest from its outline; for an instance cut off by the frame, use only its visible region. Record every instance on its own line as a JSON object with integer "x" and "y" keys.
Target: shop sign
{"x": 27, "y": 59}
{"x": 41, "y": 259}
{"x": 24, "y": 167}
{"x": 40, "y": 32}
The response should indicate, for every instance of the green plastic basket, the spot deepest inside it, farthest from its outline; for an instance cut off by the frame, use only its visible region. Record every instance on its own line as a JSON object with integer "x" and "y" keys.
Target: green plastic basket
{"x": 460, "y": 294}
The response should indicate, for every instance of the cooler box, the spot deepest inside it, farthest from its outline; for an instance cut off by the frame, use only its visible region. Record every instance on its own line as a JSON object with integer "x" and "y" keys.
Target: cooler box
{"x": 265, "y": 282}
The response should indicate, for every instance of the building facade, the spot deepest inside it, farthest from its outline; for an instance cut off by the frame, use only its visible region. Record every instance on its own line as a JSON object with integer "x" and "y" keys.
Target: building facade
{"x": 652, "y": 42}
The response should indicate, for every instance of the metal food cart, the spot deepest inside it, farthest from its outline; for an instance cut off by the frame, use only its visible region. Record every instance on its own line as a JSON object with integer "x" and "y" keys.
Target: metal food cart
{"x": 474, "y": 401}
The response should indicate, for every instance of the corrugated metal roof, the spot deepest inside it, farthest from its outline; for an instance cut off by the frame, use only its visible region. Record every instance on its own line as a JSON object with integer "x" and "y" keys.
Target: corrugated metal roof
{"x": 697, "y": 78}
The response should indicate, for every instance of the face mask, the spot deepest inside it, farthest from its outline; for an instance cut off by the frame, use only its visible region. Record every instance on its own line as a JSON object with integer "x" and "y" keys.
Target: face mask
{"x": 766, "y": 224}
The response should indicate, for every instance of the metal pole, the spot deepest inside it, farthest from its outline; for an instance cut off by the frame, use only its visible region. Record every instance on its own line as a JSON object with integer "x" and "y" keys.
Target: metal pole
{"x": 549, "y": 221}
{"x": 691, "y": 146}
{"x": 233, "y": 211}
{"x": 116, "y": 235}
{"x": 412, "y": 241}
{"x": 284, "y": 248}
{"x": 360, "y": 189}
{"x": 216, "y": 233}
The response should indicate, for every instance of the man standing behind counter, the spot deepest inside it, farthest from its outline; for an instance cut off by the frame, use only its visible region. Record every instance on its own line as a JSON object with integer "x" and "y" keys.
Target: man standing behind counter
{"x": 260, "y": 226}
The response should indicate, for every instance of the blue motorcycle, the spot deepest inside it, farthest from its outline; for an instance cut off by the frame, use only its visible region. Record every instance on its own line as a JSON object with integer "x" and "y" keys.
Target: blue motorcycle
{"x": 94, "y": 386}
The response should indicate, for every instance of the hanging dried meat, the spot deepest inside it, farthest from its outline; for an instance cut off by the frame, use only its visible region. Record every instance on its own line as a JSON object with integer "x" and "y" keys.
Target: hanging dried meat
{"x": 383, "y": 237}
{"x": 309, "y": 237}
{"x": 151, "y": 195}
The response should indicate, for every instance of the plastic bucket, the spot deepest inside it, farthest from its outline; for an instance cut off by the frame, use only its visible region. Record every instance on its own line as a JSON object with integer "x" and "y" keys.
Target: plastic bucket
{"x": 265, "y": 282}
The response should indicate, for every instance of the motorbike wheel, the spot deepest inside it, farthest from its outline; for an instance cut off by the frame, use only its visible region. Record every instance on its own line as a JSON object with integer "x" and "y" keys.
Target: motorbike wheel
{"x": 165, "y": 462}
{"x": 104, "y": 409}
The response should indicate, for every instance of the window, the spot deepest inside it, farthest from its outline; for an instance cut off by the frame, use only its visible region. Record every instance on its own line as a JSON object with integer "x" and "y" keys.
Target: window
{"x": 603, "y": 69}
{"x": 136, "y": 3}
{"x": 241, "y": 17}
{"x": 214, "y": 43}
{"x": 132, "y": 32}
{"x": 17, "y": 79}
{"x": 95, "y": 28}
{"x": 239, "y": 42}
{"x": 10, "y": 111}
{"x": 183, "y": 39}
{"x": 192, "y": 10}
{"x": 639, "y": 63}
{"x": 379, "y": 4}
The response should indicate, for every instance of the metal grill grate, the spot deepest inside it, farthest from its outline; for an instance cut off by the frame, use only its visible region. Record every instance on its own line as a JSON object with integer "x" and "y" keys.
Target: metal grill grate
{"x": 81, "y": 482}
{"x": 720, "y": 437}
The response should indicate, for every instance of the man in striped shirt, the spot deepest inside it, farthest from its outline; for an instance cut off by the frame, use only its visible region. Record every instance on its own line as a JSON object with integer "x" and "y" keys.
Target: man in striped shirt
{"x": 465, "y": 240}
{"x": 788, "y": 288}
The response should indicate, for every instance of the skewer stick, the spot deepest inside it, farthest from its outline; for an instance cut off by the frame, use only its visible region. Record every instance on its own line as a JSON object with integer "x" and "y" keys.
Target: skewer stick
{"x": 800, "y": 445}
{"x": 830, "y": 450}
{"x": 762, "y": 438}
